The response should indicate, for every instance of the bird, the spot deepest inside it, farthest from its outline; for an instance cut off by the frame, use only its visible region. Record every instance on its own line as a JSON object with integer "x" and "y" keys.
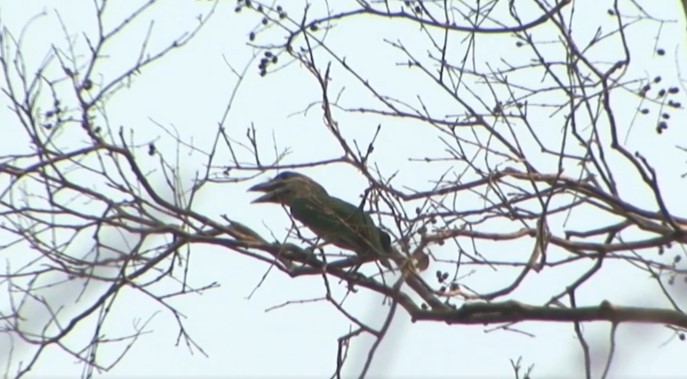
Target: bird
{"x": 334, "y": 220}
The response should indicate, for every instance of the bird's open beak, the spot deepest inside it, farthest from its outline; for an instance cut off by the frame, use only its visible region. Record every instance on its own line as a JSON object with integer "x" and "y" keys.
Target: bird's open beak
{"x": 271, "y": 189}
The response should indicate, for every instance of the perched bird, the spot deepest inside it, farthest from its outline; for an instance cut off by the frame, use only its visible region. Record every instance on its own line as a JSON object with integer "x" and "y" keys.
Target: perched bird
{"x": 332, "y": 219}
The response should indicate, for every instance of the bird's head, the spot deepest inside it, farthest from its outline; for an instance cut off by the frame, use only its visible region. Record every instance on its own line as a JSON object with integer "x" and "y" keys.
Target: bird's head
{"x": 285, "y": 187}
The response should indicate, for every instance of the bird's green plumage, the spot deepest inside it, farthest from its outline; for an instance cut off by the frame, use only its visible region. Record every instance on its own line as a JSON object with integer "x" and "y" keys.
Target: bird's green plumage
{"x": 339, "y": 223}
{"x": 332, "y": 219}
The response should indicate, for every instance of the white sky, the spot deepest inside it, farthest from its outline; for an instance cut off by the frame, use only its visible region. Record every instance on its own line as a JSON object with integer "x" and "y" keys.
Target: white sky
{"x": 189, "y": 90}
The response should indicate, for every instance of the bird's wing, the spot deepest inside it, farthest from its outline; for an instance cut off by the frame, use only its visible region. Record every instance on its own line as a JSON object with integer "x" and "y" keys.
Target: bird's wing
{"x": 338, "y": 222}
